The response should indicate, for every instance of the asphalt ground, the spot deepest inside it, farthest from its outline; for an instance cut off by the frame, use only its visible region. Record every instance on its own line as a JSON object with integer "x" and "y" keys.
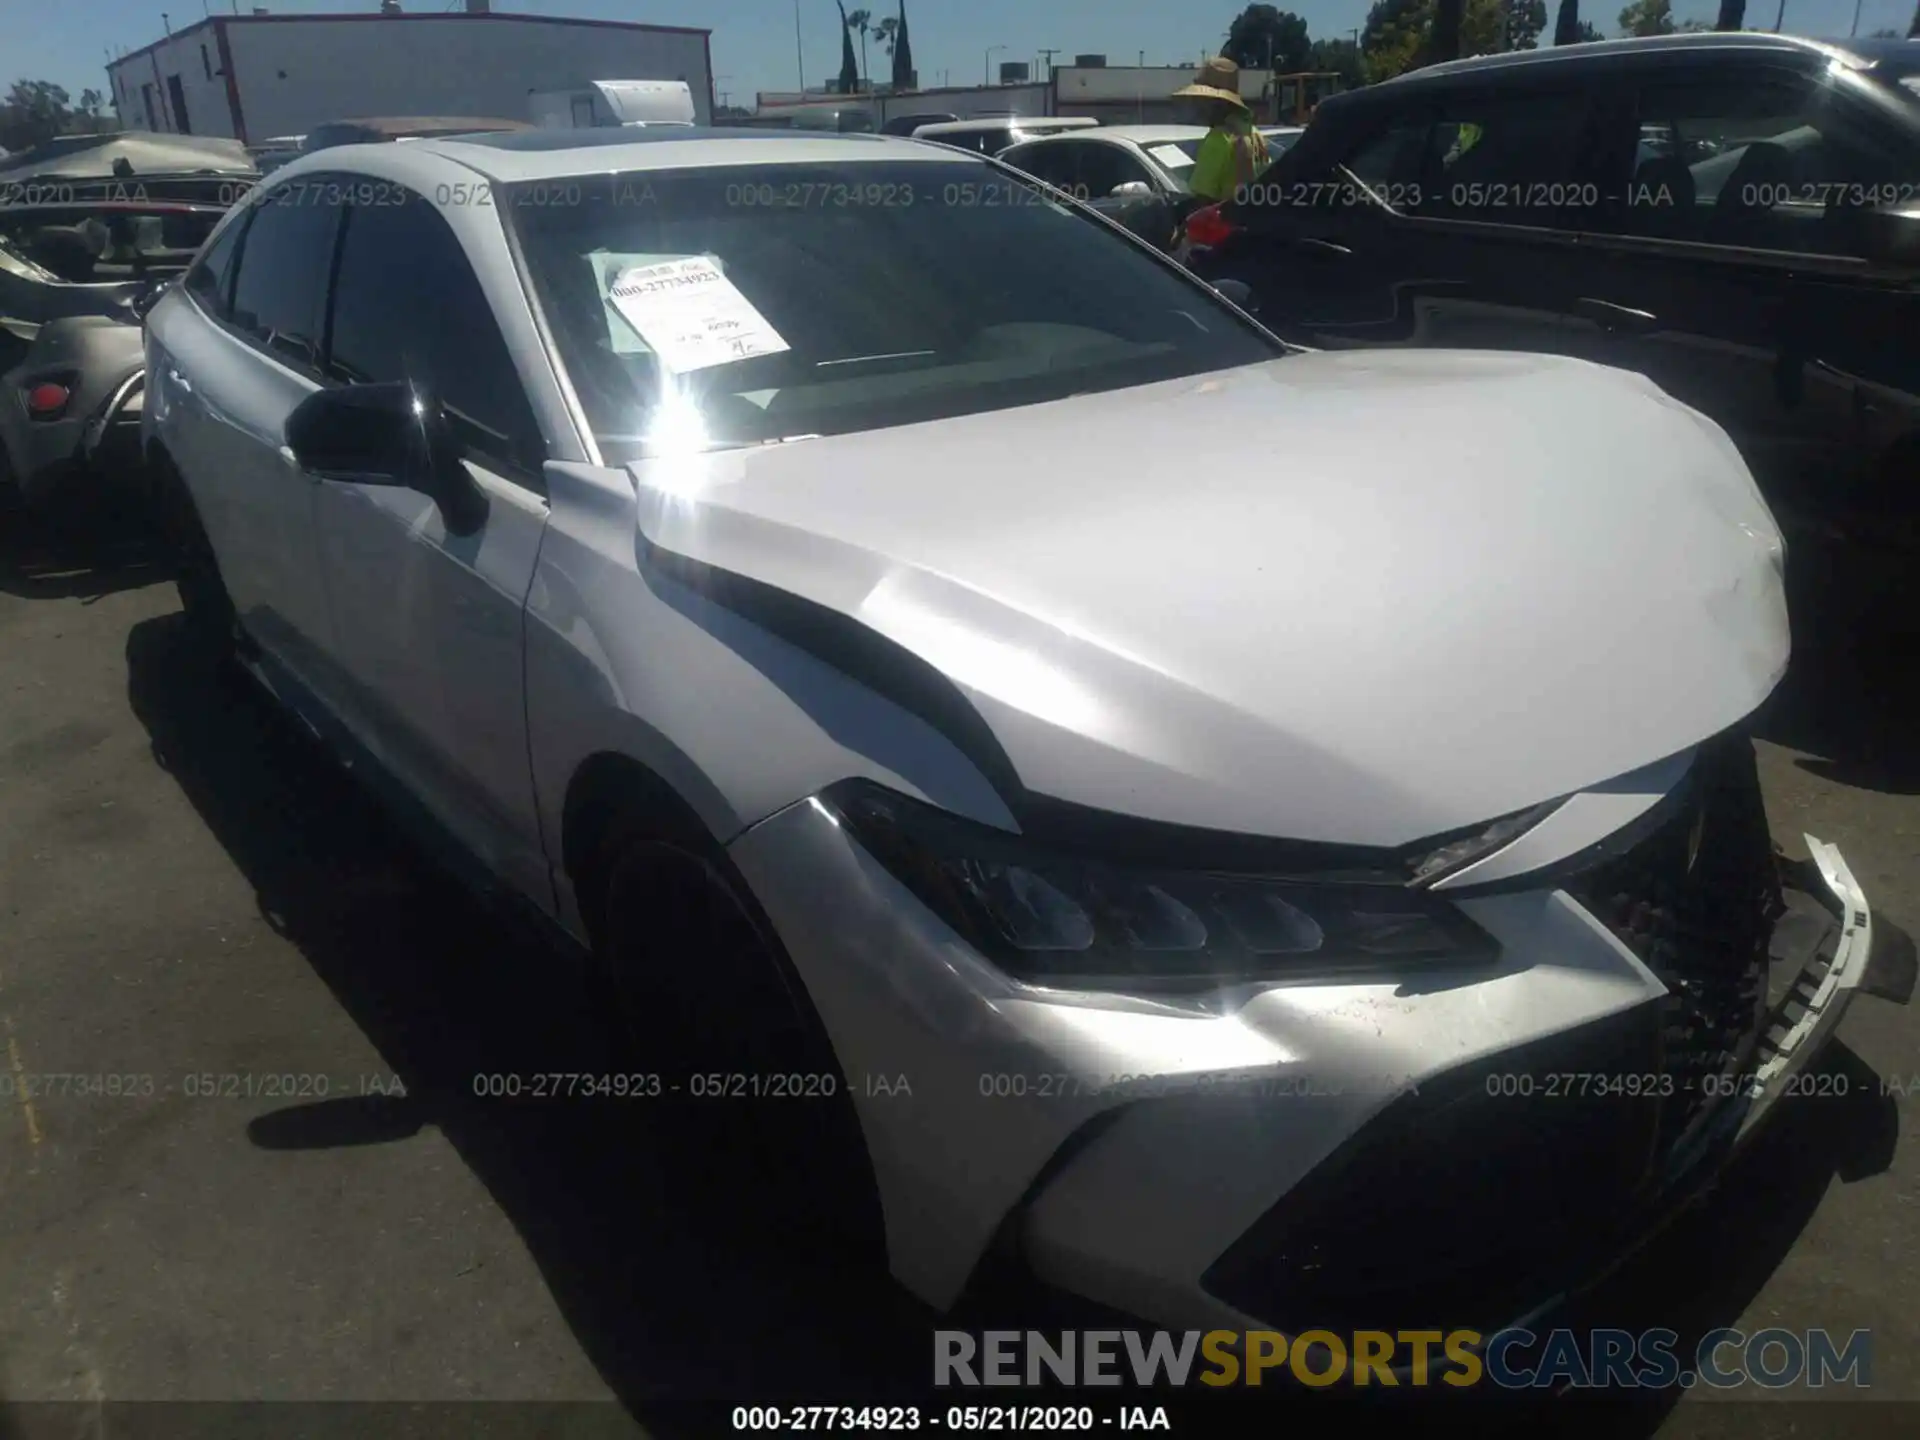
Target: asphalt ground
{"x": 269, "y": 1179}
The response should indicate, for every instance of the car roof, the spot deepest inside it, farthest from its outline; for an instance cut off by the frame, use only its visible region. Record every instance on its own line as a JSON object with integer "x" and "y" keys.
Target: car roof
{"x": 1011, "y": 122}
{"x": 1752, "y": 42}
{"x": 531, "y": 155}
{"x": 1138, "y": 134}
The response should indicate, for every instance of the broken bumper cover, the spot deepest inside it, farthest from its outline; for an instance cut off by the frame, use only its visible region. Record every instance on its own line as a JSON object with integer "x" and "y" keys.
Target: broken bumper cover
{"x": 1306, "y": 1154}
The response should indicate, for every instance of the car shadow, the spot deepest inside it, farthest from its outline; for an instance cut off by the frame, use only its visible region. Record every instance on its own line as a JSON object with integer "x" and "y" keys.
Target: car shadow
{"x": 686, "y": 1279}
{"x": 1851, "y": 696}
{"x": 76, "y": 556}
{"x": 687, "y": 1283}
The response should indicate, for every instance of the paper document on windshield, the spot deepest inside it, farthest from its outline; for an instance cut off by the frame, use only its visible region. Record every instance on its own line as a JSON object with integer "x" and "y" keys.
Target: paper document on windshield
{"x": 1171, "y": 156}
{"x": 692, "y": 315}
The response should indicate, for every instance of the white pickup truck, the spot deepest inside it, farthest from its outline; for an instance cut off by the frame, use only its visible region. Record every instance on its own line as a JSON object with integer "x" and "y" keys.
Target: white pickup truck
{"x": 614, "y": 103}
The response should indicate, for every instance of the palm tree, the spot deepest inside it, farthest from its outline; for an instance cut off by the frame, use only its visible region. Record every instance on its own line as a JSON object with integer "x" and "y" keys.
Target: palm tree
{"x": 857, "y": 23}
{"x": 884, "y": 32}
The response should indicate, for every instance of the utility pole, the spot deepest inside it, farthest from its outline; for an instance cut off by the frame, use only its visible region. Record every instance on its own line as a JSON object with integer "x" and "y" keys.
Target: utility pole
{"x": 1856, "y": 19}
{"x": 1780, "y": 17}
{"x": 1046, "y": 58}
{"x": 799, "y": 53}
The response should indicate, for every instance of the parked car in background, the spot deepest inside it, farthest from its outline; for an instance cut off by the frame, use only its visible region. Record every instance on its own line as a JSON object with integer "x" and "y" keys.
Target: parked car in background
{"x": 70, "y": 415}
{"x": 613, "y": 103}
{"x": 808, "y": 612}
{"x": 1137, "y": 174}
{"x": 85, "y": 226}
{"x": 1734, "y": 216}
{"x": 907, "y": 124}
{"x": 401, "y": 127}
{"x": 991, "y": 136}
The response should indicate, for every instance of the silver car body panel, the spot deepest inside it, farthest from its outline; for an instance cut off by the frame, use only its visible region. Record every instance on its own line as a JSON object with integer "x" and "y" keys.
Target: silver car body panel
{"x": 1477, "y": 583}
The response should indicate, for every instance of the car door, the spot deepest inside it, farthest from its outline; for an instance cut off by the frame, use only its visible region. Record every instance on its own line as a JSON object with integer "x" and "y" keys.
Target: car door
{"x": 1448, "y": 220}
{"x": 1105, "y": 166}
{"x": 1055, "y": 162}
{"x": 1727, "y": 266}
{"x": 229, "y": 384}
{"x": 430, "y": 622}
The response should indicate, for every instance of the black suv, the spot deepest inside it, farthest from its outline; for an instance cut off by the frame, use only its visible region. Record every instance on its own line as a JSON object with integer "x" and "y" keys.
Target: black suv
{"x": 1735, "y": 216}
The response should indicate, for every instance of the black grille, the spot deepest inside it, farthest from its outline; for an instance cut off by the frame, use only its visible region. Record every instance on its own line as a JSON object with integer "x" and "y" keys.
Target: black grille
{"x": 1696, "y": 900}
{"x": 1463, "y": 1202}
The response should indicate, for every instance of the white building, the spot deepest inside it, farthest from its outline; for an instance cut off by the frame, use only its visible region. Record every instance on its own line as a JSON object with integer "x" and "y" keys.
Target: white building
{"x": 254, "y": 77}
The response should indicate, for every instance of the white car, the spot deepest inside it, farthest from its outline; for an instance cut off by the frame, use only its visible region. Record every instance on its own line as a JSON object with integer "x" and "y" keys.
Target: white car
{"x": 852, "y": 594}
{"x": 991, "y": 136}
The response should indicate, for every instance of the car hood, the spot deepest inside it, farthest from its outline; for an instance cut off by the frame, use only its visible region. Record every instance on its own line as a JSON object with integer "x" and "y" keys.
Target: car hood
{"x": 1359, "y": 598}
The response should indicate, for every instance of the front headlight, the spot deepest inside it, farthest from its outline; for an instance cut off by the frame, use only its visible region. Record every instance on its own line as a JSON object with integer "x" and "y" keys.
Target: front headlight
{"x": 1060, "y": 920}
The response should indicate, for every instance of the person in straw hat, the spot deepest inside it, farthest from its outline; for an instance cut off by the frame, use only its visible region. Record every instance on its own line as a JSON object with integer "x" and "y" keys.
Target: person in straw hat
{"x": 1234, "y": 151}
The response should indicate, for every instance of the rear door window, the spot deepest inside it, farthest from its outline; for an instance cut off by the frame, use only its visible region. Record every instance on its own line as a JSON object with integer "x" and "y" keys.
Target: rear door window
{"x": 1510, "y": 158}
{"x": 1055, "y": 162}
{"x": 1104, "y": 166}
{"x": 1766, "y": 160}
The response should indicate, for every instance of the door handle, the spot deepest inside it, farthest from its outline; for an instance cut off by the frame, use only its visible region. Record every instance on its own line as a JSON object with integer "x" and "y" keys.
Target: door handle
{"x": 1622, "y": 318}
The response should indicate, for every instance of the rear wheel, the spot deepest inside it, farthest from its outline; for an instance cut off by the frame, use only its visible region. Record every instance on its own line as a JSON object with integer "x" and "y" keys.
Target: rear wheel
{"x": 700, "y": 991}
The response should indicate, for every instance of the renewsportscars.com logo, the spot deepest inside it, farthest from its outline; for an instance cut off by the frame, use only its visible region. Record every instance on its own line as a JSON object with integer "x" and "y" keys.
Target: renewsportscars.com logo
{"x": 1509, "y": 1359}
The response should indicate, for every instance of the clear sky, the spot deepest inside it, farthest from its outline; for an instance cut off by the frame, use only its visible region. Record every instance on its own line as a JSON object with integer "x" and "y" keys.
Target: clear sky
{"x": 66, "y": 41}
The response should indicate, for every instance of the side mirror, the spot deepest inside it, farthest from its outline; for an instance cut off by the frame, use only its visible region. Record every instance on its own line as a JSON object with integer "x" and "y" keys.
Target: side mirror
{"x": 1239, "y": 293}
{"x": 387, "y": 434}
{"x": 1131, "y": 190}
{"x": 1891, "y": 234}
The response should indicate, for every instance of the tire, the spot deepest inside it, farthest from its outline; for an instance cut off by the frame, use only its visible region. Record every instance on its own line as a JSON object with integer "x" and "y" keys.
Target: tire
{"x": 698, "y": 986}
{"x": 203, "y": 593}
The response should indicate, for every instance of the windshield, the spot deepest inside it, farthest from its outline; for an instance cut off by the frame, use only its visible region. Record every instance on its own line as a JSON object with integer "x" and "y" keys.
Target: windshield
{"x": 738, "y": 306}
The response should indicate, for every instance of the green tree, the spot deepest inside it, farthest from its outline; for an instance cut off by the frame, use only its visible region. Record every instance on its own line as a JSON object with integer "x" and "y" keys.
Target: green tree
{"x": 1913, "y": 29}
{"x": 1733, "y": 15}
{"x": 1525, "y": 19}
{"x": 1263, "y": 37}
{"x": 34, "y": 111}
{"x": 1338, "y": 57}
{"x": 883, "y": 33}
{"x": 1647, "y": 17}
{"x": 902, "y": 51}
{"x": 1402, "y": 40}
{"x": 1443, "y": 32}
{"x": 1566, "y": 23}
{"x": 1587, "y": 33}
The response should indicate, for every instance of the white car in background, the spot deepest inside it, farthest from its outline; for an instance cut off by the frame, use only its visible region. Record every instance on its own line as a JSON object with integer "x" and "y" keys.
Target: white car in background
{"x": 848, "y": 593}
{"x": 991, "y": 136}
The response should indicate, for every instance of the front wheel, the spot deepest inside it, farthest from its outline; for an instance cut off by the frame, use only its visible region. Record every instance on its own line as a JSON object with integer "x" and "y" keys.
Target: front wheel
{"x": 700, "y": 991}
{"x": 203, "y": 593}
